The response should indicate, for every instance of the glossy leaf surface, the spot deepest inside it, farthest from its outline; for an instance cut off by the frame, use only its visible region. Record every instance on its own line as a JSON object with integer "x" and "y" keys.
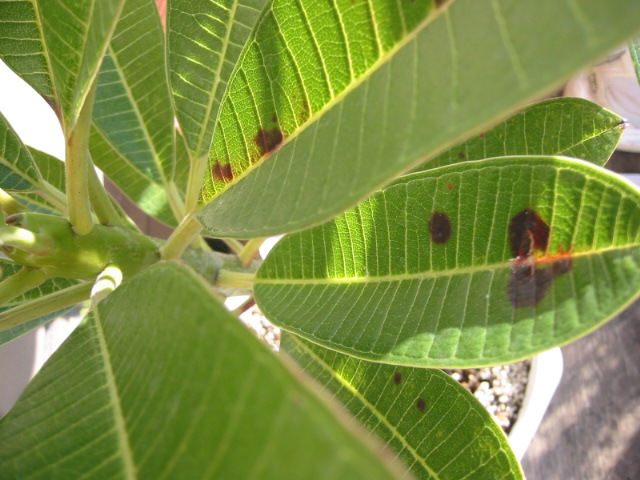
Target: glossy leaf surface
{"x": 477, "y": 263}
{"x": 438, "y": 429}
{"x": 572, "y": 127}
{"x": 290, "y": 151}
{"x": 174, "y": 387}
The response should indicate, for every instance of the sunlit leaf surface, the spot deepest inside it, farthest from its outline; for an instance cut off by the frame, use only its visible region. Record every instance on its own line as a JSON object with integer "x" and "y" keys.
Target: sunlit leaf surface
{"x": 438, "y": 429}
{"x": 173, "y": 386}
{"x": 472, "y": 264}
{"x": 330, "y": 102}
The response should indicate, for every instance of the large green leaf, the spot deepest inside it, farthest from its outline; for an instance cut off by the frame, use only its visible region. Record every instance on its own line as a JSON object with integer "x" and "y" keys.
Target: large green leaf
{"x": 174, "y": 387}
{"x": 133, "y": 136}
{"x": 75, "y": 34}
{"x": 572, "y": 127}
{"x": 18, "y": 172}
{"x": 476, "y": 263}
{"x": 450, "y": 75}
{"x": 433, "y": 424}
{"x": 205, "y": 39}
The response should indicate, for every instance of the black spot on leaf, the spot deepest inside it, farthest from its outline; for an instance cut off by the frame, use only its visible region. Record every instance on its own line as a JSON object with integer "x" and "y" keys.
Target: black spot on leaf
{"x": 421, "y": 404}
{"x": 529, "y": 282}
{"x": 439, "y": 227}
{"x": 461, "y": 155}
{"x": 397, "y": 378}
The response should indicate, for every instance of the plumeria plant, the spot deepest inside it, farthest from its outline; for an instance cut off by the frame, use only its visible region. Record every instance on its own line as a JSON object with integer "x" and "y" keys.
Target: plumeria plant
{"x": 434, "y": 216}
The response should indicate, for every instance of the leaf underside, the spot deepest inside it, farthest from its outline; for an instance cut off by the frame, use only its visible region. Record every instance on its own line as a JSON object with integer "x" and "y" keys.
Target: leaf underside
{"x": 438, "y": 429}
{"x": 476, "y": 263}
{"x": 174, "y": 387}
{"x": 287, "y": 156}
{"x": 570, "y": 127}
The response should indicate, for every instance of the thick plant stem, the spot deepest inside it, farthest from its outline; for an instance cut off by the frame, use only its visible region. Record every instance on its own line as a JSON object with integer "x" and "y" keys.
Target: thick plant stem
{"x": 194, "y": 185}
{"x": 180, "y": 239}
{"x": 20, "y": 283}
{"x": 240, "y": 280}
{"x": 102, "y": 203}
{"x": 250, "y": 250}
{"x": 77, "y": 167}
{"x": 26, "y": 240}
{"x": 43, "y": 305}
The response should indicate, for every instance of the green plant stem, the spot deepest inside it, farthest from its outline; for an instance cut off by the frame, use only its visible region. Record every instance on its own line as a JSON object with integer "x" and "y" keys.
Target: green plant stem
{"x": 52, "y": 195}
{"x": 9, "y": 204}
{"x": 197, "y": 170}
{"x": 20, "y": 283}
{"x": 77, "y": 167}
{"x": 234, "y": 245}
{"x": 102, "y": 202}
{"x": 43, "y": 305}
{"x": 108, "y": 280}
{"x": 240, "y": 280}
{"x": 25, "y": 240}
{"x": 175, "y": 201}
{"x": 250, "y": 250}
{"x": 180, "y": 239}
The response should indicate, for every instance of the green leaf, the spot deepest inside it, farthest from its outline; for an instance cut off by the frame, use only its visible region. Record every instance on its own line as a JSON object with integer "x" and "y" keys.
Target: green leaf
{"x": 52, "y": 171}
{"x": 449, "y": 75}
{"x": 477, "y": 263}
{"x": 571, "y": 127}
{"x": 132, "y": 114}
{"x": 75, "y": 35}
{"x": 18, "y": 172}
{"x": 205, "y": 39}
{"x": 51, "y": 285}
{"x": 174, "y": 387}
{"x": 21, "y": 45}
{"x": 429, "y": 420}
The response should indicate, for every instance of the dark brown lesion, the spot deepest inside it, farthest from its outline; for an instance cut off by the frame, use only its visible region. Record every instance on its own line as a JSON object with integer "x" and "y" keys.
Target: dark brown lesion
{"x": 532, "y": 276}
{"x": 421, "y": 404}
{"x": 397, "y": 378}
{"x": 222, "y": 172}
{"x": 268, "y": 140}
{"x": 439, "y": 227}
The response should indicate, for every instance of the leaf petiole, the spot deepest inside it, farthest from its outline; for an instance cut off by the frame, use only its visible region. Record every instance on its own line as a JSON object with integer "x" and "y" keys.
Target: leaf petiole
{"x": 19, "y": 283}
{"x": 181, "y": 238}
{"x": 43, "y": 305}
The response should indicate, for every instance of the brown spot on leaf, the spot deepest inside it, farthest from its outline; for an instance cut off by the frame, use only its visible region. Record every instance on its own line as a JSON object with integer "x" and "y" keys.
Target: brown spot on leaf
{"x": 14, "y": 219}
{"x": 397, "y": 378}
{"x": 221, "y": 172}
{"x": 439, "y": 228}
{"x": 527, "y": 232}
{"x": 531, "y": 275}
{"x": 450, "y": 186}
{"x": 421, "y": 404}
{"x": 461, "y": 155}
{"x": 439, "y": 3}
{"x": 268, "y": 140}
{"x": 530, "y": 280}
{"x": 482, "y": 135}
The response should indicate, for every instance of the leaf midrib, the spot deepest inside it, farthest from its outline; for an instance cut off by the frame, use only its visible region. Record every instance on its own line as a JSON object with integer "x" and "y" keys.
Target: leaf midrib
{"x": 128, "y": 464}
{"x": 423, "y": 275}
{"x": 367, "y": 405}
